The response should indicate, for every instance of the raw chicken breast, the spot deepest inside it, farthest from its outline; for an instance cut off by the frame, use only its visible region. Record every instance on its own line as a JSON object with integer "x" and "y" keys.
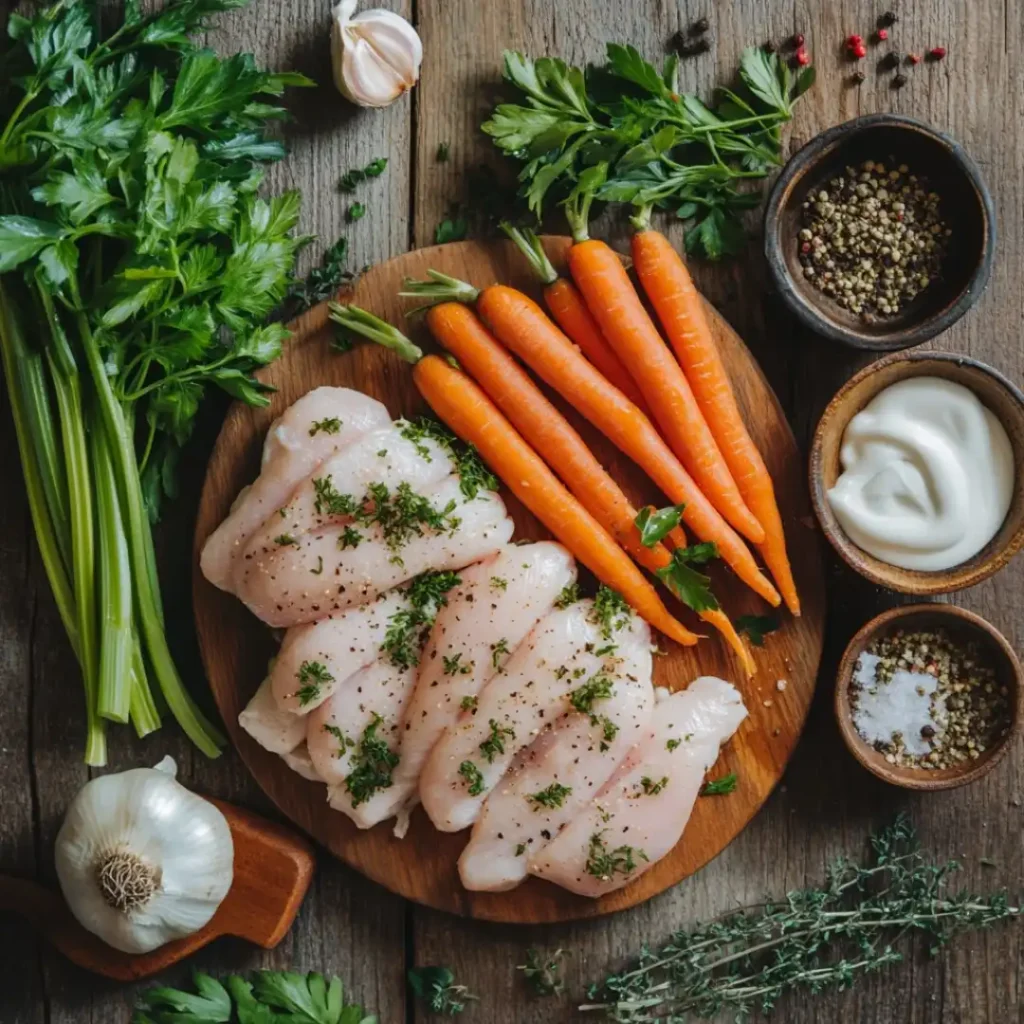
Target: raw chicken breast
{"x": 300, "y": 761}
{"x": 502, "y": 597}
{"x": 378, "y": 457}
{"x": 372, "y": 699}
{"x": 551, "y": 781}
{"x": 275, "y": 730}
{"x": 566, "y": 651}
{"x": 642, "y": 810}
{"x": 314, "y": 577}
{"x": 293, "y": 449}
{"x": 317, "y": 658}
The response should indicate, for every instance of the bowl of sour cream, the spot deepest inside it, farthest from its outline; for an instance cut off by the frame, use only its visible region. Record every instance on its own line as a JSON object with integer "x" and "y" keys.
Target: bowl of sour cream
{"x": 917, "y": 472}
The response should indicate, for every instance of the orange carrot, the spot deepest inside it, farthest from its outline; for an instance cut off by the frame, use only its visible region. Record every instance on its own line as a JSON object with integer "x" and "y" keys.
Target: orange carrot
{"x": 551, "y": 435}
{"x": 474, "y": 417}
{"x": 570, "y": 312}
{"x": 521, "y": 325}
{"x": 670, "y": 288}
{"x": 611, "y": 297}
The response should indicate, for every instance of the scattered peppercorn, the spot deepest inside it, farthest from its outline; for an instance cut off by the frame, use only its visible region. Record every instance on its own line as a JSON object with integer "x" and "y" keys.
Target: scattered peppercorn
{"x": 887, "y": 20}
{"x": 699, "y": 27}
{"x": 967, "y": 710}
{"x": 857, "y": 78}
{"x": 854, "y": 40}
{"x": 882, "y": 34}
{"x": 898, "y": 81}
{"x": 937, "y": 52}
{"x": 889, "y": 61}
{"x": 796, "y": 41}
{"x": 689, "y": 48}
{"x": 802, "y": 57}
{"x": 913, "y": 58}
{"x": 876, "y": 238}
{"x": 859, "y": 52}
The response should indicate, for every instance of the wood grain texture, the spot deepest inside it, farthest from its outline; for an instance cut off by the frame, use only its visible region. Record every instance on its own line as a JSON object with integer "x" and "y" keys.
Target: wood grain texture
{"x": 422, "y": 867}
{"x": 826, "y": 803}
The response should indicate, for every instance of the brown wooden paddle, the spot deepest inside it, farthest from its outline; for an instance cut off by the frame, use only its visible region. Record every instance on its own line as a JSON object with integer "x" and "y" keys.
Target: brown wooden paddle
{"x": 273, "y": 869}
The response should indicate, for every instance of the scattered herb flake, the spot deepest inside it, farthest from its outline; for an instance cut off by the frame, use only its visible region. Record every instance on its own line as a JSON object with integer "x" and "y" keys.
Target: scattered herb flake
{"x": 285, "y": 540}
{"x": 720, "y": 787}
{"x": 553, "y": 796}
{"x": 436, "y": 987}
{"x": 328, "y": 425}
{"x": 652, "y": 788}
{"x": 498, "y": 648}
{"x": 605, "y": 864}
{"x": 499, "y": 583}
{"x": 610, "y": 612}
{"x": 355, "y": 212}
{"x": 468, "y": 703}
{"x": 473, "y": 776}
{"x": 757, "y": 627}
{"x": 495, "y": 742}
{"x": 542, "y": 974}
{"x": 350, "y": 179}
{"x": 374, "y": 762}
{"x": 570, "y": 595}
{"x": 312, "y": 677}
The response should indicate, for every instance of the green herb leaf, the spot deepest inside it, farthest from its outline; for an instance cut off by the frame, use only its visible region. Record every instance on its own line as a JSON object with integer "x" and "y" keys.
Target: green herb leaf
{"x": 553, "y": 796}
{"x": 690, "y": 586}
{"x": 655, "y": 526}
{"x": 355, "y": 212}
{"x": 757, "y": 627}
{"x": 720, "y": 787}
{"x": 451, "y": 229}
{"x": 473, "y": 776}
{"x": 351, "y": 179}
{"x": 542, "y": 973}
{"x": 436, "y": 987}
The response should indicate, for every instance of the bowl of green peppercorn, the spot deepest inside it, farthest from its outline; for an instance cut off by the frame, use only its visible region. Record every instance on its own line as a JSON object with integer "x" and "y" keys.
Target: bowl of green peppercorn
{"x": 880, "y": 233}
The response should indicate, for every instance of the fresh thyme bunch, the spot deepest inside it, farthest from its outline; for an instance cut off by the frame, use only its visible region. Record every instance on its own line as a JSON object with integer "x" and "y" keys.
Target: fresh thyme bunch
{"x": 623, "y": 132}
{"x": 137, "y": 270}
{"x": 813, "y": 939}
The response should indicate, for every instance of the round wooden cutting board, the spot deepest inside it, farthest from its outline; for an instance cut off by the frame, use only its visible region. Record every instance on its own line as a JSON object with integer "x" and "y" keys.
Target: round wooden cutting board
{"x": 422, "y": 867}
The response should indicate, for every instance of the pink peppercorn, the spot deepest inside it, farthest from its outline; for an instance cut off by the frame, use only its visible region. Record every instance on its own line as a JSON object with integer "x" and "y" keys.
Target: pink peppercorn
{"x": 859, "y": 51}
{"x": 802, "y": 57}
{"x": 882, "y": 34}
{"x": 937, "y": 52}
{"x": 914, "y": 58}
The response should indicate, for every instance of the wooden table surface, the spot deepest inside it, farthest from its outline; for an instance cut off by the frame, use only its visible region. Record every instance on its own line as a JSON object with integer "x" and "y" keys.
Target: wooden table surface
{"x": 826, "y": 804}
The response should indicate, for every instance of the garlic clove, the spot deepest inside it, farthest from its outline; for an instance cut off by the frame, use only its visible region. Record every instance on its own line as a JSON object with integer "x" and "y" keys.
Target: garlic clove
{"x": 376, "y": 55}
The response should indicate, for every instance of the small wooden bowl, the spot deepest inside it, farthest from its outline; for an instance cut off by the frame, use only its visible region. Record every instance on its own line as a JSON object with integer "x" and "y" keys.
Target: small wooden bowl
{"x": 997, "y": 393}
{"x": 966, "y": 207}
{"x": 959, "y": 624}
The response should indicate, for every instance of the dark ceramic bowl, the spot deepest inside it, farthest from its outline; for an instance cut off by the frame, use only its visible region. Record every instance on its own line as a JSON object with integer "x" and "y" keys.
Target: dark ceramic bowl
{"x": 998, "y": 394}
{"x": 963, "y": 626}
{"x": 966, "y": 206}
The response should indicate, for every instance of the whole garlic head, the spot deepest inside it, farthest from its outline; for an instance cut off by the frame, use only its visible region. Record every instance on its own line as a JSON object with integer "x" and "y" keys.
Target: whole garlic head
{"x": 142, "y": 860}
{"x": 376, "y": 54}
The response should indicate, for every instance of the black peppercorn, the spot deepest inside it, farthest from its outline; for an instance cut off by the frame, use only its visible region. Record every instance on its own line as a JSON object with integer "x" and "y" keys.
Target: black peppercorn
{"x": 699, "y": 27}
{"x": 899, "y": 81}
{"x": 698, "y": 46}
{"x": 927, "y": 731}
{"x": 768, "y": 47}
{"x": 857, "y": 78}
{"x": 887, "y": 20}
{"x": 889, "y": 61}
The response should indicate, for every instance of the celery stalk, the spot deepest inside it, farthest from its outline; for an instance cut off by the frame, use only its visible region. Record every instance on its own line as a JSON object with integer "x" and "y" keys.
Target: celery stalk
{"x": 144, "y": 712}
{"x": 116, "y": 683}
{"x": 147, "y": 606}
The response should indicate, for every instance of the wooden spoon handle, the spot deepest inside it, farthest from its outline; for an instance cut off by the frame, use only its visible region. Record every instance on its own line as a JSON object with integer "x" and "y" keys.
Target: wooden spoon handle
{"x": 273, "y": 869}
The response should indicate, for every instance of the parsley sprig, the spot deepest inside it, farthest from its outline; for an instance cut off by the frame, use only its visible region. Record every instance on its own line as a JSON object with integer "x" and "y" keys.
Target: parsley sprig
{"x": 623, "y": 132}
{"x": 270, "y": 996}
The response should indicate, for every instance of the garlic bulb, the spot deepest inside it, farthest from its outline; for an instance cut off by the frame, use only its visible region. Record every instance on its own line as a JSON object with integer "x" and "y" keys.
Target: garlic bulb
{"x": 141, "y": 860}
{"x": 376, "y": 54}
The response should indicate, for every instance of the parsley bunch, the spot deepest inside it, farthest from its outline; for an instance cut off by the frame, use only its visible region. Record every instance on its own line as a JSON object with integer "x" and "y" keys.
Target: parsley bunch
{"x": 622, "y": 132}
{"x": 137, "y": 269}
{"x": 272, "y": 997}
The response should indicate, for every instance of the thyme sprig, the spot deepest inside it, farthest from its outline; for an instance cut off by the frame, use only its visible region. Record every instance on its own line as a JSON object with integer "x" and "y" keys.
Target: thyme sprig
{"x": 815, "y": 938}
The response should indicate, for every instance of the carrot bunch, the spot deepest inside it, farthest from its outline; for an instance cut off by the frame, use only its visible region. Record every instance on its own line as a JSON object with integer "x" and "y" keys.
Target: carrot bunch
{"x": 674, "y": 415}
